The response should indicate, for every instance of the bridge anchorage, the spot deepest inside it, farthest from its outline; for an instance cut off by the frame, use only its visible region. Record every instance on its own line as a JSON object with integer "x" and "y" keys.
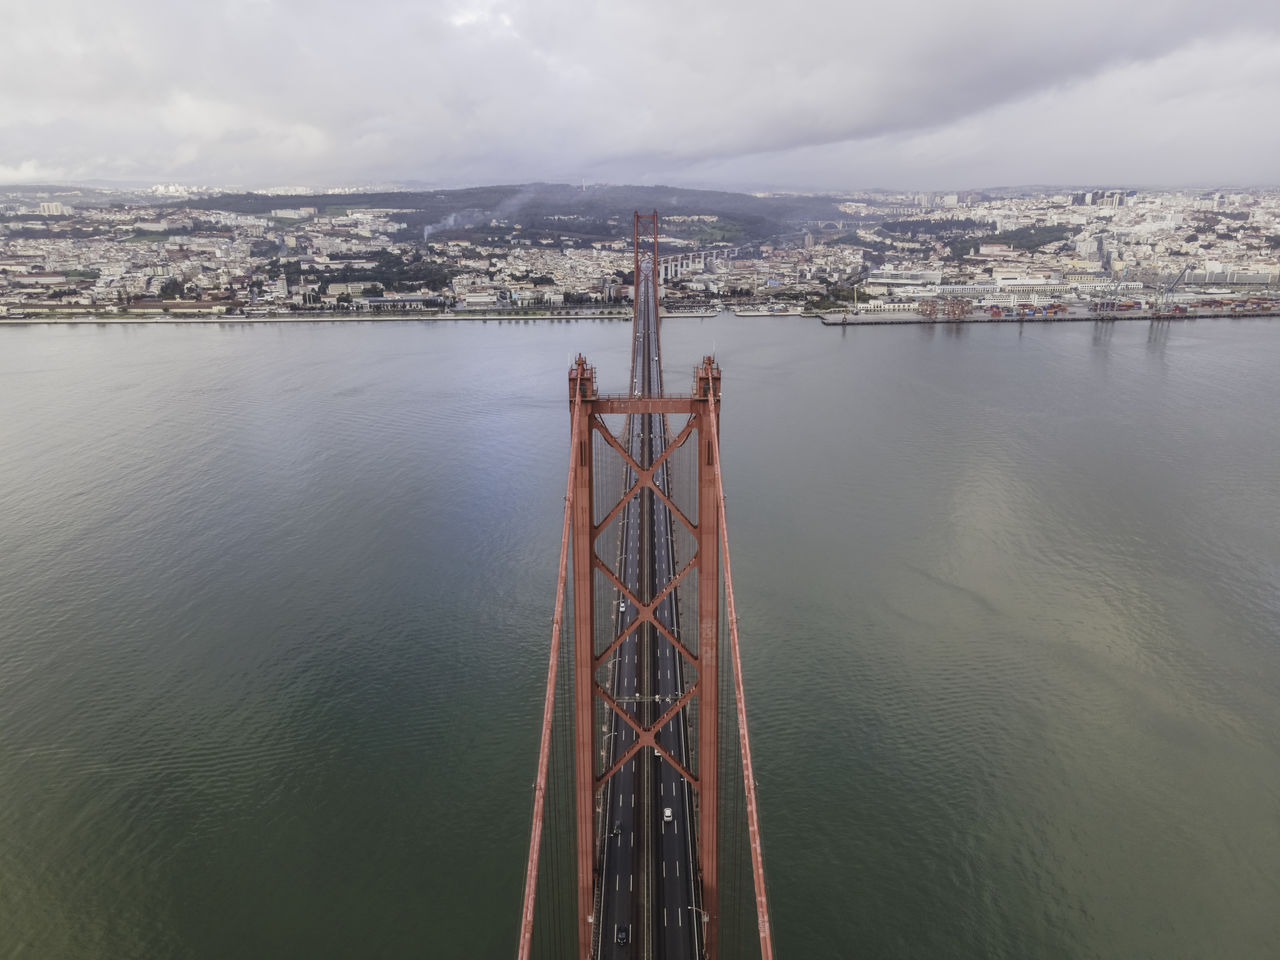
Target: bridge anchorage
{"x": 648, "y": 832}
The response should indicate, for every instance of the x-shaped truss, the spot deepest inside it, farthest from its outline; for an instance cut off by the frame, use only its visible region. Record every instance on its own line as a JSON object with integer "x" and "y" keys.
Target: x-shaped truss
{"x": 645, "y": 612}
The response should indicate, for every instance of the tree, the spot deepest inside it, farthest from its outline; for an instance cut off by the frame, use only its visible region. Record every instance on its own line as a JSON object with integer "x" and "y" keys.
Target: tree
{"x": 171, "y": 289}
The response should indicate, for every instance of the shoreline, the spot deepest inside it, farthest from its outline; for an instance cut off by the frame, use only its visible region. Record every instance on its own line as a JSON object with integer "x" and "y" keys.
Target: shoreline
{"x": 916, "y": 320}
{"x": 899, "y": 320}
{"x": 397, "y": 317}
{"x": 303, "y": 318}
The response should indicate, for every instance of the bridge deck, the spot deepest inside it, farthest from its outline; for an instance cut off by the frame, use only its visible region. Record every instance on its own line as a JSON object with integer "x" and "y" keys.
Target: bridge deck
{"x": 647, "y": 870}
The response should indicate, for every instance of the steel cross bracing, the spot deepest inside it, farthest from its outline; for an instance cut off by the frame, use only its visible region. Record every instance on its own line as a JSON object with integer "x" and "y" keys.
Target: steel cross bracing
{"x": 646, "y": 799}
{"x": 645, "y": 881}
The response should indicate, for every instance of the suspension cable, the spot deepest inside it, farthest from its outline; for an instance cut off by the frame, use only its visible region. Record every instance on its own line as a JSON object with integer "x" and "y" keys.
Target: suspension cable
{"x": 544, "y": 747}
{"x": 748, "y": 777}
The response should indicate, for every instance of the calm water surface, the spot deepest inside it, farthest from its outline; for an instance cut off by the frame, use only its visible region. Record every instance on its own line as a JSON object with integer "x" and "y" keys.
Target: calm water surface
{"x": 274, "y": 607}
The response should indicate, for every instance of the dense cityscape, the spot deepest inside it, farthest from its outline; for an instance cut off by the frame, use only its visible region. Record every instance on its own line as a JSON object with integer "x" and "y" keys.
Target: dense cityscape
{"x": 68, "y": 252}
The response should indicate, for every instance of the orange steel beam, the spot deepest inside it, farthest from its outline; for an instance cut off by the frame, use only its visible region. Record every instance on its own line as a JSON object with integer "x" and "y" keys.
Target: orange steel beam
{"x": 644, "y": 731}
{"x": 644, "y": 738}
{"x": 744, "y": 742}
{"x": 548, "y": 705}
{"x": 671, "y": 712}
{"x": 644, "y": 613}
{"x": 644, "y": 476}
{"x": 618, "y": 404}
{"x": 707, "y": 398}
{"x": 640, "y": 621}
{"x": 582, "y": 389}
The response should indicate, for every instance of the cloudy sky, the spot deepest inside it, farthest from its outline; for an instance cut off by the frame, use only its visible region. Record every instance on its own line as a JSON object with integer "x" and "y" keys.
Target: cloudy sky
{"x": 801, "y": 95}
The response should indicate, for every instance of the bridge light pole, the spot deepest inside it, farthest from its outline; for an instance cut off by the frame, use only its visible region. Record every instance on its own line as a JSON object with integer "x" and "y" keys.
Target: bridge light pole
{"x": 604, "y": 743}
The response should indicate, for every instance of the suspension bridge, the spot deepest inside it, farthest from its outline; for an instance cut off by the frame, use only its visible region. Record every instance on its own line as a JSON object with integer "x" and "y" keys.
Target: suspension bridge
{"x": 645, "y": 838}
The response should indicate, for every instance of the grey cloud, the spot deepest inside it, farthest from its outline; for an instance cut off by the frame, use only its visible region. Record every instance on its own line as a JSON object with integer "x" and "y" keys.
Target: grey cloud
{"x": 254, "y": 91}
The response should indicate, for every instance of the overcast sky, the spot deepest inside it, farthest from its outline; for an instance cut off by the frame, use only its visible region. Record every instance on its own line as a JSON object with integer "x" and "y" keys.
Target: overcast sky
{"x": 799, "y": 95}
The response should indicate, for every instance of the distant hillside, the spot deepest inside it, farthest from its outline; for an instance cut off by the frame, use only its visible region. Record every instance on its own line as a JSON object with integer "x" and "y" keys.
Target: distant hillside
{"x": 543, "y": 207}
{"x": 72, "y": 194}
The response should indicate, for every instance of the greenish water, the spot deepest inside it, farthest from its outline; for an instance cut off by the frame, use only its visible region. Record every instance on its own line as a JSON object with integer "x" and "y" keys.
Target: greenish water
{"x": 275, "y": 600}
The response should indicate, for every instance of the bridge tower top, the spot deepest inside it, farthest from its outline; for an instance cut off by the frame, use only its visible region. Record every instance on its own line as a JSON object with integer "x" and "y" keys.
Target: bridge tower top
{"x": 707, "y": 380}
{"x": 582, "y": 379}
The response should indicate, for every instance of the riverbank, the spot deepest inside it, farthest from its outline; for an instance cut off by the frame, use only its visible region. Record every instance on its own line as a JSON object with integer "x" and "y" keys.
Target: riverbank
{"x": 221, "y": 318}
{"x": 388, "y": 317}
{"x": 827, "y": 320}
{"x": 864, "y": 320}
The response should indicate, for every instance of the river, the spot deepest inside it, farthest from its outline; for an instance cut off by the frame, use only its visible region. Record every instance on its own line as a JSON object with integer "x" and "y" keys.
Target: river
{"x": 275, "y": 602}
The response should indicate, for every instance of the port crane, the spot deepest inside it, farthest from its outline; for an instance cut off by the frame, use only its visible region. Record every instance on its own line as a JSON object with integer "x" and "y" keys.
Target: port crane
{"x": 1163, "y": 301}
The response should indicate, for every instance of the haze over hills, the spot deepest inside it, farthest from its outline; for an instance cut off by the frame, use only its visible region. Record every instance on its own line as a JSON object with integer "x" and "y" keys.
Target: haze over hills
{"x": 574, "y": 211}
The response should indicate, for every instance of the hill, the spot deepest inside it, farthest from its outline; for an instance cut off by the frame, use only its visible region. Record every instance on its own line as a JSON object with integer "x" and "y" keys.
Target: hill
{"x": 593, "y": 213}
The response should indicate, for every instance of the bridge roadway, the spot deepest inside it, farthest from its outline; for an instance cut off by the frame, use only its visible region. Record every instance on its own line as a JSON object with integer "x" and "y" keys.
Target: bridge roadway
{"x": 646, "y": 863}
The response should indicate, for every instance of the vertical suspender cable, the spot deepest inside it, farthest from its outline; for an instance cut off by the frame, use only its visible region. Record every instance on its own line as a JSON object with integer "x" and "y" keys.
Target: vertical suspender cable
{"x": 748, "y": 777}
{"x": 544, "y": 748}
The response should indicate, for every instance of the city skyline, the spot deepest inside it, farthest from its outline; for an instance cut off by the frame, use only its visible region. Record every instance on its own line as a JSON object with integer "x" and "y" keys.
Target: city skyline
{"x": 524, "y": 252}
{"x": 258, "y": 93}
